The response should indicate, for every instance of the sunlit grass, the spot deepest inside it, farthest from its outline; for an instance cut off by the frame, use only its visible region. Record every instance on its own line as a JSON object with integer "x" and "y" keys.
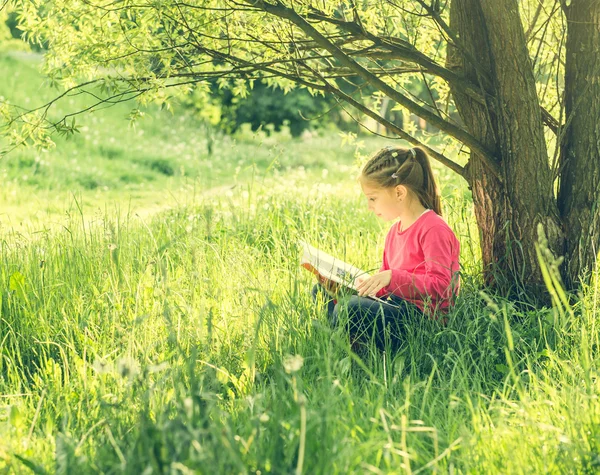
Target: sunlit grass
{"x": 165, "y": 343}
{"x": 164, "y": 325}
{"x": 160, "y": 161}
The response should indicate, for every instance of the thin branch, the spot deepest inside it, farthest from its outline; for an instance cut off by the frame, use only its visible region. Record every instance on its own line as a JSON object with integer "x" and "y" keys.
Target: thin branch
{"x": 460, "y": 134}
{"x": 383, "y": 121}
{"x": 399, "y": 49}
{"x": 430, "y": 93}
{"x": 483, "y": 75}
{"x": 404, "y": 135}
{"x": 536, "y": 15}
{"x": 56, "y": 99}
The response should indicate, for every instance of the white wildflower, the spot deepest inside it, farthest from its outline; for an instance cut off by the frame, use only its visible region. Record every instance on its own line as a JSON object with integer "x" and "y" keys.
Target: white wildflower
{"x": 293, "y": 363}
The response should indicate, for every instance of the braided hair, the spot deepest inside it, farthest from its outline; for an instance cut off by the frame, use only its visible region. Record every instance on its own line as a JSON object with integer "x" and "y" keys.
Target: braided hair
{"x": 410, "y": 167}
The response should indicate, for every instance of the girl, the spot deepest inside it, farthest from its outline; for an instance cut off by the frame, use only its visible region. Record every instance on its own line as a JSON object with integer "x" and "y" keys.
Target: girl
{"x": 419, "y": 273}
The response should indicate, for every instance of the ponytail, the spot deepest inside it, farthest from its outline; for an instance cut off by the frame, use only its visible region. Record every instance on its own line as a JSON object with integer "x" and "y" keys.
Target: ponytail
{"x": 429, "y": 194}
{"x": 411, "y": 167}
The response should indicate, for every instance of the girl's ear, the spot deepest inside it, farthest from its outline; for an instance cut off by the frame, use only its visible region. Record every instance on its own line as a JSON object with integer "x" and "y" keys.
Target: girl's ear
{"x": 400, "y": 192}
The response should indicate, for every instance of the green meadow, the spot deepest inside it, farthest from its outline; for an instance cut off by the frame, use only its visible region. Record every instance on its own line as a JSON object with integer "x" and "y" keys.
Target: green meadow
{"x": 154, "y": 317}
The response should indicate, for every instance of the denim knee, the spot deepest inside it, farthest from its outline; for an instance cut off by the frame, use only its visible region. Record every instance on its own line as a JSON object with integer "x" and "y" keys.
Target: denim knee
{"x": 334, "y": 318}
{"x": 351, "y": 305}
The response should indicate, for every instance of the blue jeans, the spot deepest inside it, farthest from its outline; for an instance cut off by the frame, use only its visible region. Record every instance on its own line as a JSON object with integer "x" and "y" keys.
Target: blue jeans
{"x": 368, "y": 318}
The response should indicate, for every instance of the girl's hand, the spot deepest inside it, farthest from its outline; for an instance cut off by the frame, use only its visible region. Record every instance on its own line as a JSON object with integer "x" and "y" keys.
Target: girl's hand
{"x": 374, "y": 284}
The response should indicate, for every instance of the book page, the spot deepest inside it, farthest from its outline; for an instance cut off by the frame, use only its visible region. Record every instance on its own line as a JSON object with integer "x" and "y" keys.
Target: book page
{"x": 330, "y": 267}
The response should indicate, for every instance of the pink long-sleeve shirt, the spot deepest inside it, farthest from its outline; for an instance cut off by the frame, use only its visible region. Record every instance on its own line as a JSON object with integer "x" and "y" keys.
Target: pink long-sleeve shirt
{"x": 424, "y": 263}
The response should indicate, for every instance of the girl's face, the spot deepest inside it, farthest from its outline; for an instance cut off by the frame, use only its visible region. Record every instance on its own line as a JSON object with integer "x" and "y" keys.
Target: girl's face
{"x": 386, "y": 203}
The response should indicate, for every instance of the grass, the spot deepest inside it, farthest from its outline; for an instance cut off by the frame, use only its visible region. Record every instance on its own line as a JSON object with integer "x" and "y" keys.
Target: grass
{"x": 191, "y": 344}
{"x": 110, "y": 165}
{"x": 186, "y": 341}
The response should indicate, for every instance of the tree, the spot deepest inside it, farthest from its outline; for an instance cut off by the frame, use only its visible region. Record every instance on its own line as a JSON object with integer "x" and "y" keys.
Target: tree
{"x": 522, "y": 75}
{"x": 264, "y": 106}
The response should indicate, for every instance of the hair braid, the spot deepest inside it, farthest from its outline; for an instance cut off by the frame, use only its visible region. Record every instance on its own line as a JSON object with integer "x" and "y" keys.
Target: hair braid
{"x": 391, "y": 167}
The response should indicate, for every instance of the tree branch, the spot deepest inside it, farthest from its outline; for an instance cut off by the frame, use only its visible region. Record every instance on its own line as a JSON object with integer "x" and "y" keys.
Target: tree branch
{"x": 328, "y": 87}
{"x": 386, "y": 123}
{"x": 460, "y": 170}
{"x": 547, "y": 118}
{"x": 399, "y": 49}
{"x": 460, "y": 134}
{"x": 536, "y": 15}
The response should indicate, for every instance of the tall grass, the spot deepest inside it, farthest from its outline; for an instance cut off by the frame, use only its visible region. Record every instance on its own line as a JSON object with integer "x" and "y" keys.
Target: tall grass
{"x": 187, "y": 341}
{"x": 190, "y": 344}
{"x": 162, "y": 159}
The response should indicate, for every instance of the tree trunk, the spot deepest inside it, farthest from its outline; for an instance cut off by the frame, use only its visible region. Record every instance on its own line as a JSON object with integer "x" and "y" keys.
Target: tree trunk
{"x": 579, "y": 191}
{"x": 493, "y": 53}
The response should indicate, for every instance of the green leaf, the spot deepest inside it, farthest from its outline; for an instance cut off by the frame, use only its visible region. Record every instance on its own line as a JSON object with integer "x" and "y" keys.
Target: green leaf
{"x": 345, "y": 365}
{"x": 35, "y": 468}
{"x": 502, "y": 368}
{"x": 17, "y": 284}
{"x": 14, "y": 416}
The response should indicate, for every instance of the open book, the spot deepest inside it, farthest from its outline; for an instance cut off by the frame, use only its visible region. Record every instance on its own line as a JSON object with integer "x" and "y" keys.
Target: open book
{"x": 326, "y": 267}
{"x": 329, "y": 268}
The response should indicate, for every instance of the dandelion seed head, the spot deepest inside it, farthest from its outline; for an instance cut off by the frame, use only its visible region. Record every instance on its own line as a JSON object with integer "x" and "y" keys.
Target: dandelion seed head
{"x": 293, "y": 363}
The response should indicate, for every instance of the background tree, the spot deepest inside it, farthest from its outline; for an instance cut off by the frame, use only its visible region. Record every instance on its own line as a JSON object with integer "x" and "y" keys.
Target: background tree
{"x": 263, "y": 106}
{"x": 522, "y": 75}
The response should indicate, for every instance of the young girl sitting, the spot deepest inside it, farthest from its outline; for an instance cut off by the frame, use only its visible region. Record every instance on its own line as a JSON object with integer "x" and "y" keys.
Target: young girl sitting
{"x": 419, "y": 273}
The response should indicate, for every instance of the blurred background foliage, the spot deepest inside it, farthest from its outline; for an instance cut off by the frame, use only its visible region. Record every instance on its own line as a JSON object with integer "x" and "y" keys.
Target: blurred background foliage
{"x": 265, "y": 107}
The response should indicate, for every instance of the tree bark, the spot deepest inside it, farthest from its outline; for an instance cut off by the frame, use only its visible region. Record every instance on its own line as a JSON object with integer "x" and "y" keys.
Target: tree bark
{"x": 507, "y": 210}
{"x": 579, "y": 190}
